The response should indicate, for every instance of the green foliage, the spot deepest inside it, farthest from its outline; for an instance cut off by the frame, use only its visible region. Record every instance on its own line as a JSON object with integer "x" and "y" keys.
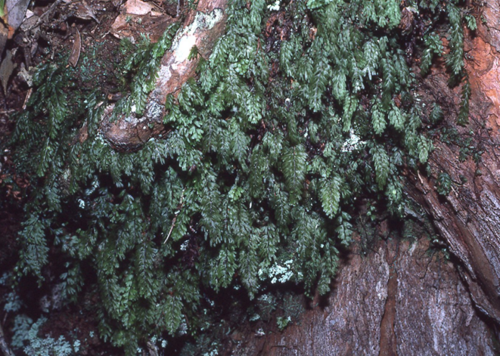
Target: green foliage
{"x": 26, "y": 338}
{"x": 436, "y": 114}
{"x": 396, "y": 118}
{"x": 463, "y": 114}
{"x": 294, "y": 169}
{"x": 283, "y": 322}
{"x": 443, "y": 184}
{"x": 142, "y": 65}
{"x": 255, "y": 182}
{"x": 433, "y": 46}
{"x": 330, "y": 196}
{"x": 378, "y": 119}
{"x": 455, "y": 59}
{"x": 471, "y": 22}
{"x": 381, "y": 163}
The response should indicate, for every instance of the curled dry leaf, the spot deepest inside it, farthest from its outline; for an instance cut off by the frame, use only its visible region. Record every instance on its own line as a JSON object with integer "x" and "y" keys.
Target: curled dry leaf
{"x": 407, "y": 18}
{"x": 138, "y": 18}
{"x": 75, "y": 50}
{"x": 30, "y": 21}
{"x": 15, "y": 12}
{"x": 3, "y": 37}
{"x": 6, "y": 69}
{"x": 11, "y": 17}
{"x": 137, "y": 7}
{"x": 82, "y": 10}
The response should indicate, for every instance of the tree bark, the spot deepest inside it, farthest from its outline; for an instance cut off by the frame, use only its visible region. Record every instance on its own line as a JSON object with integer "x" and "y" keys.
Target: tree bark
{"x": 469, "y": 217}
{"x": 398, "y": 300}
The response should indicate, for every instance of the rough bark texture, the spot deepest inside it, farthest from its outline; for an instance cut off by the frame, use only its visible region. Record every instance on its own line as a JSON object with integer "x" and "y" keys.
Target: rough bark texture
{"x": 469, "y": 217}
{"x": 398, "y": 300}
{"x": 201, "y": 28}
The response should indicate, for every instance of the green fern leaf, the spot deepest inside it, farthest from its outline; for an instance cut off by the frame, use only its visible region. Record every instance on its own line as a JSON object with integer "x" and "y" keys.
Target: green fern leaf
{"x": 344, "y": 228}
{"x": 330, "y": 196}
{"x": 294, "y": 169}
{"x": 378, "y": 119}
{"x": 396, "y": 118}
{"x": 381, "y": 163}
{"x": 173, "y": 313}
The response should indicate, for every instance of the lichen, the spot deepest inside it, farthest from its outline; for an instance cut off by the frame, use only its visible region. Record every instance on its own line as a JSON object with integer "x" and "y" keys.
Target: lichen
{"x": 186, "y": 39}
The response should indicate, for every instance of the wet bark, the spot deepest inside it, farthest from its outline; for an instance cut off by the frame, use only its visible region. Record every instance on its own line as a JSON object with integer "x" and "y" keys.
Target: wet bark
{"x": 469, "y": 217}
{"x": 397, "y": 300}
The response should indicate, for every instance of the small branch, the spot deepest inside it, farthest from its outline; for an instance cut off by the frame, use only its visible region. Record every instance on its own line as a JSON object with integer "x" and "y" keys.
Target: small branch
{"x": 179, "y": 207}
{"x": 3, "y": 344}
{"x": 45, "y": 14}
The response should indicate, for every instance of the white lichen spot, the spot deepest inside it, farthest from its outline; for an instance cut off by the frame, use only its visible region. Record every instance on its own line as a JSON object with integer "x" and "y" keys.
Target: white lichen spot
{"x": 412, "y": 249}
{"x": 165, "y": 73}
{"x": 185, "y": 41}
{"x": 381, "y": 291}
{"x": 154, "y": 111}
{"x": 275, "y": 6}
{"x": 254, "y": 317}
{"x": 260, "y": 332}
{"x": 278, "y": 273}
{"x": 184, "y": 245}
{"x": 184, "y": 47}
{"x": 352, "y": 143}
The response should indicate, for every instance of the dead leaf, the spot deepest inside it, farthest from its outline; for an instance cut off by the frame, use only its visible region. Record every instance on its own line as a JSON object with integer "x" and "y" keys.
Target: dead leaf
{"x": 407, "y": 18}
{"x": 83, "y": 11}
{"x": 4, "y": 33}
{"x": 28, "y": 95}
{"x": 26, "y": 75}
{"x": 30, "y": 21}
{"x": 6, "y": 69}
{"x": 16, "y": 11}
{"x": 75, "y": 50}
{"x": 138, "y": 18}
{"x": 137, "y": 7}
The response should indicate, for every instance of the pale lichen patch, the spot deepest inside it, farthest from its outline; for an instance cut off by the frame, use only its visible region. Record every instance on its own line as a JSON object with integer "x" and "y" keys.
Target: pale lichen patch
{"x": 185, "y": 41}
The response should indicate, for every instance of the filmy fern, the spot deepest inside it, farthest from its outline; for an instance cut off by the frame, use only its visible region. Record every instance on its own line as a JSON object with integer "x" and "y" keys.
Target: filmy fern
{"x": 265, "y": 154}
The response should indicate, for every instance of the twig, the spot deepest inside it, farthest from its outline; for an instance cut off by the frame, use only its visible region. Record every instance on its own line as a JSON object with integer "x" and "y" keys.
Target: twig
{"x": 45, "y": 14}
{"x": 3, "y": 344}
{"x": 179, "y": 207}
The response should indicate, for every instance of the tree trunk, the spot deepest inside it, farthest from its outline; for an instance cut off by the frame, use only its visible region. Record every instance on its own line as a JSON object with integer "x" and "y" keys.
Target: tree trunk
{"x": 469, "y": 217}
{"x": 398, "y": 300}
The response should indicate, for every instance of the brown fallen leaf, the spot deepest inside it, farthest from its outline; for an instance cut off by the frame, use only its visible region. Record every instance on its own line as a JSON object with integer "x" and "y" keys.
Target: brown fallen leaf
{"x": 4, "y": 33}
{"x": 28, "y": 95}
{"x": 15, "y": 12}
{"x": 6, "y": 69}
{"x": 138, "y": 18}
{"x": 30, "y": 21}
{"x": 75, "y": 50}
{"x": 82, "y": 10}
